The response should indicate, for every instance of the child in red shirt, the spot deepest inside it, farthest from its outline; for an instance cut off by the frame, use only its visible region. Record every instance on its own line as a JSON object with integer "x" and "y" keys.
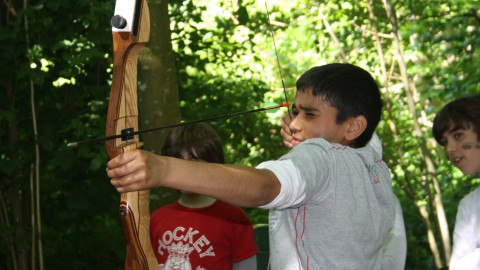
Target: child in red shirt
{"x": 197, "y": 231}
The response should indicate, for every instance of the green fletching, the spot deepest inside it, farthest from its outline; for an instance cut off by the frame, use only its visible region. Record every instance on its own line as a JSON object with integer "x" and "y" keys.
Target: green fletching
{"x": 275, "y": 108}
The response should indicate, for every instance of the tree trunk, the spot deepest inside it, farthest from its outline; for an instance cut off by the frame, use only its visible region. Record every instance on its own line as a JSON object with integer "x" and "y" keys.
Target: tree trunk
{"x": 36, "y": 165}
{"x": 158, "y": 93}
{"x": 436, "y": 201}
{"x": 158, "y": 101}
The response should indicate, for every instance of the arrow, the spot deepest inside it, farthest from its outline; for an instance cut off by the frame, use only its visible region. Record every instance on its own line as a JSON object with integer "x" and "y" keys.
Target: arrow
{"x": 129, "y": 133}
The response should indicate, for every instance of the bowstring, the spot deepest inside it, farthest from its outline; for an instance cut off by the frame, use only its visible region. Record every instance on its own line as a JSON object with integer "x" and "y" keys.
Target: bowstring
{"x": 277, "y": 58}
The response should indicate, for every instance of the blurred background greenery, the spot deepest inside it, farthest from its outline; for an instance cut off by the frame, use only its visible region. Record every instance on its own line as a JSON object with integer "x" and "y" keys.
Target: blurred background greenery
{"x": 207, "y": 58}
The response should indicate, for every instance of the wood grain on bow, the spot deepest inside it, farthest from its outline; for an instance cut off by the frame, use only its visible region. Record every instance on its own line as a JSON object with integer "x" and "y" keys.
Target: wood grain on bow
{"x": 131, "y": 30}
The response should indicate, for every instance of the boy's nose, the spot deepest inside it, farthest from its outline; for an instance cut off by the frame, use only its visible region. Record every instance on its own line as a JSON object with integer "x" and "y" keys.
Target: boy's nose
{"x": 450, "y": 147}
{"x": 294, "y": 125}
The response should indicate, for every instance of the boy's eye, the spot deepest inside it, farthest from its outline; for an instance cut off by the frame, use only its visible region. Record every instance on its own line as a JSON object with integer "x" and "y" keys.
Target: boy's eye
{"x": 443, "y": 142}
{"x": 458, "y": 135}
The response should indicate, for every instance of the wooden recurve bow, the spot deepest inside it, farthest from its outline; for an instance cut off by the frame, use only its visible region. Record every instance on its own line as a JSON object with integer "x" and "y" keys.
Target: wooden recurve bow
{"x": 130, "y": 31}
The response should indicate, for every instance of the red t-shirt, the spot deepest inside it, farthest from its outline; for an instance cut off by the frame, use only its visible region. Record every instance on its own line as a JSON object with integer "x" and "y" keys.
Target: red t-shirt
{"x": 212, "y": 238}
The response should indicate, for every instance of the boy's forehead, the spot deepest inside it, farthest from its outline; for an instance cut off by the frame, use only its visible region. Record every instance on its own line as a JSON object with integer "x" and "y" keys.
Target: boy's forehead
{"x": 308, "y": 95}
{"x": 454, "y": 127}
{"x": 311, "y": 103}
{"x": 303, "y": 99}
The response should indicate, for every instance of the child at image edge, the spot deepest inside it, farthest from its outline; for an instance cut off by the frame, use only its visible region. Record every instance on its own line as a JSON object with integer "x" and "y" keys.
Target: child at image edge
{"x": 197, "y": 231}
{"x": 457, "y": 128}
{"x": 330, "y": 198}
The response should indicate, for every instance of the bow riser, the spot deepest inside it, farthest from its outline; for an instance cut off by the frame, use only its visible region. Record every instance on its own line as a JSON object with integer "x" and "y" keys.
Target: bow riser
{"x": 122, "y": 113}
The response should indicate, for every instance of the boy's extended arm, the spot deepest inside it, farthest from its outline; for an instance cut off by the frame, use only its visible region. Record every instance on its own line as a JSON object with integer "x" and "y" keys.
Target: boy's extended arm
{"x": 240, "y": 185}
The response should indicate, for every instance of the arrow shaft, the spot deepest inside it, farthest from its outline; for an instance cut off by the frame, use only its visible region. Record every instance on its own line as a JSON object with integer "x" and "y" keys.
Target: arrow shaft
{"x": 213, "y": 118}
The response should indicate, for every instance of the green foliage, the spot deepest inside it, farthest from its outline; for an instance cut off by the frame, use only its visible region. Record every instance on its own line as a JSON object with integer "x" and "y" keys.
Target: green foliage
{"x": 221, "y": 75}
{"x": 64, "y": 54}
{"x": 226, "y": 63}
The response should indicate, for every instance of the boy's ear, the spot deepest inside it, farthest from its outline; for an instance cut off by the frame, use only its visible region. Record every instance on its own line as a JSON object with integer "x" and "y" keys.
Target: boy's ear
{"x": 357, "y": 125}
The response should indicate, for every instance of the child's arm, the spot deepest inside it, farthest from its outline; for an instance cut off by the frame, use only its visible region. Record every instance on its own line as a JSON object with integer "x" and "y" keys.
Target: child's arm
{"x": 395, "y": 251}
{"x": 465, "y": 253}
{"x": 247, "y": 264}
{"x": 240, "y": 185}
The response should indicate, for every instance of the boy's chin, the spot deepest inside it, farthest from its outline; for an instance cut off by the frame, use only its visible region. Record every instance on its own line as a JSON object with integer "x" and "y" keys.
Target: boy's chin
{"x": 470, "y": 173}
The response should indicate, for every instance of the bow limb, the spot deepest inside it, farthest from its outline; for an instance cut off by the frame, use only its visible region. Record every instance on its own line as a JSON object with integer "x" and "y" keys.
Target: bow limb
{"x": 131, "y": 29}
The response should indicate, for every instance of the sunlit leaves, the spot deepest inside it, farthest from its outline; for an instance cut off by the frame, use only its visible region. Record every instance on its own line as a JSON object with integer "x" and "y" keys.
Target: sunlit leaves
{"x": 226, "y": 63}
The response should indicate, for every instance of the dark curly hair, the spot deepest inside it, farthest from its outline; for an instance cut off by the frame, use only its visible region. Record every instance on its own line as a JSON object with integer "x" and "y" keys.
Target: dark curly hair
{"x": 194, "y": 142}
{"x": 461, "y": 113}
{"x": 349, "y": 89}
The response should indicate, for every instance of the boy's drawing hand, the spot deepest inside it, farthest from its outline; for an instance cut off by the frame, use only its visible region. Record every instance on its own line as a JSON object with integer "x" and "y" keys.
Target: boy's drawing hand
{"x": 285, "y": 131}
{"x": 130, "y": 171}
